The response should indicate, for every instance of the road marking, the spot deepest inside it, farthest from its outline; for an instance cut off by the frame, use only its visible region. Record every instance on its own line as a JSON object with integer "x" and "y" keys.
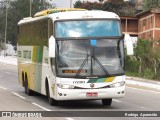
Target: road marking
{"x": 7, "y": 72}
{"x": 10, "y": 68}
{"x": 11, "y": 74}
{"x": 10, "y": 65}
{"x": 18, "y": 95}
{"x": 3, "y": 88}
{"x": 143, "y": 90}
{"x": 41, "y": 107}
{"x": 142, "y": 107}
{"x": 116, "y": 100}
{"x": 69, "y": 118}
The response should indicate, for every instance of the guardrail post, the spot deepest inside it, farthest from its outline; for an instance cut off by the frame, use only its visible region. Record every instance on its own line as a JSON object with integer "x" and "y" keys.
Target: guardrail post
{"x": 155, "y": 66}
{"x": 140, "y": 67}
{"x": 135, "y": 58}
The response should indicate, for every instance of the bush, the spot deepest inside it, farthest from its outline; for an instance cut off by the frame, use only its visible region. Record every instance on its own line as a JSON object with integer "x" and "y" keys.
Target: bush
{"x": 148, "y": 73}
{"x": 145, "y": 53}
{"x": 132, "y": 65}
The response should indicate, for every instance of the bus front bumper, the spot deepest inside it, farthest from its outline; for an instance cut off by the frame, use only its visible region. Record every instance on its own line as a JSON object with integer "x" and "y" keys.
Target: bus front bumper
{"x": 89, "y": 94}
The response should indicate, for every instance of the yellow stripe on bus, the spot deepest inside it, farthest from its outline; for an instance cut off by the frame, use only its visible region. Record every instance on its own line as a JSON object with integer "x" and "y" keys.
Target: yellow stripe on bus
{"x": 34, "y": 54}
{"x": 110, "y": 79}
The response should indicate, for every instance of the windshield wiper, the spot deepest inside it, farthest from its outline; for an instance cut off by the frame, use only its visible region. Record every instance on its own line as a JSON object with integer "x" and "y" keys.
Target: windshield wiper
{"x": 82, "y": 65}
{"x": 95, "y": 59}
{"x": 100, "y": 64}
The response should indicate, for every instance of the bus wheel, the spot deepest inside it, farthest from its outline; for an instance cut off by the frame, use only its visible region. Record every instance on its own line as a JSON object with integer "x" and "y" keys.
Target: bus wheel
{"x": 107, "y": 102}
{"x": 51, "y": 101}
{"x": 26, "y": 88}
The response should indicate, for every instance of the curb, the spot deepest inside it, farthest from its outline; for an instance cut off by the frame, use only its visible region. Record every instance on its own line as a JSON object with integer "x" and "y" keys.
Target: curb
{"x": 140, "y": 82}
{"x": 5, "y": 60}
{"x": 143, "y": 80}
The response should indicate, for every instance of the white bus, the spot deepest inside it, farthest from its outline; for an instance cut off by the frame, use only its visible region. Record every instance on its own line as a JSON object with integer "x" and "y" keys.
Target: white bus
{"x": 72, "y": 54}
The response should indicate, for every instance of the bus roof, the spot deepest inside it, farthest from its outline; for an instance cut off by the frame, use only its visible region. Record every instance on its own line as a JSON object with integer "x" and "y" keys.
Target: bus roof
{"x": 90, "y": 14}
{"x": 69, "y": 15}
{"x": 56, "y": 10}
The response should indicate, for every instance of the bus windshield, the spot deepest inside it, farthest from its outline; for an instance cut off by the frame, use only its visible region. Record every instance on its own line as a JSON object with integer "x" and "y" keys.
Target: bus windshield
{"x": 87, "y": 28}
{"x": 90, "y": 58}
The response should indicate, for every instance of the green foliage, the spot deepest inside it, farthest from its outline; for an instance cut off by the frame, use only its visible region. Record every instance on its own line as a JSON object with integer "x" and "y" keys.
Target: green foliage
{"x": 78, "y": 4}
{"x": 150, "y": 4}
{"x": 132, "y": 65}
{"x": 143, "y": 63}
{"x": 143, "y": 47}
{"x": 154, "y": 52}
{"x": 17, "y": 10}
{"x": 88, "y": 5}
{"x": 158, "y": 71}
{"x": 101, "y": 0}
{"x": 149, "y": 73}
{"x": 117, "y": 6}
{"x": 133, "y": 74}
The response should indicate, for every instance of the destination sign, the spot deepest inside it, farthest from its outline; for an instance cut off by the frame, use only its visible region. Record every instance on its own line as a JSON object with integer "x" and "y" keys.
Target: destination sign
{"x": 74, "y": 71}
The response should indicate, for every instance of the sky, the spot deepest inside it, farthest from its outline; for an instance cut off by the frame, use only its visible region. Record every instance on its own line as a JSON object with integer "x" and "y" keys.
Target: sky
{"x": 66, "y": 3}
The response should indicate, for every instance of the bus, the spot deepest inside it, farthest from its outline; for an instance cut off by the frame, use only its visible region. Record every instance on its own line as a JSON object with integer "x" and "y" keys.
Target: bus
{"x": 72, "y": 54}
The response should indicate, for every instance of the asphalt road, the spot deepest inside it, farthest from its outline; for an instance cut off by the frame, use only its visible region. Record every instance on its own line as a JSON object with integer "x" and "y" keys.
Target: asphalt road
{"x": 13, "y": 98}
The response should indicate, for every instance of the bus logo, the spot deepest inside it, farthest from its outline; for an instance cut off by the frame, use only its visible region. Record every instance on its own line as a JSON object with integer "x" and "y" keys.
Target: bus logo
{"x": 92, "y": 85}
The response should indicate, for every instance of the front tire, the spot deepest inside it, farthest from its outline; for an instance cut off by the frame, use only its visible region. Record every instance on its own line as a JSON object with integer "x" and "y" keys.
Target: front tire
{"x": 51, "y": 101}
{"x": 107, "y": 102}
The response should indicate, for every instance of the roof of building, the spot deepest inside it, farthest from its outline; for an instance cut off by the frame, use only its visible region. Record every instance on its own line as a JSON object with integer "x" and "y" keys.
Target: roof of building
{"x": 156, "y": 10}
{"x": 129, "y": 17}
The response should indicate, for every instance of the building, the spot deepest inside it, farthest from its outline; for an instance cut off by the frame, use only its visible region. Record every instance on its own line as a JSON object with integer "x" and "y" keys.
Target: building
{"x": 130, "y": 25}
{"x": 149, "y": 25}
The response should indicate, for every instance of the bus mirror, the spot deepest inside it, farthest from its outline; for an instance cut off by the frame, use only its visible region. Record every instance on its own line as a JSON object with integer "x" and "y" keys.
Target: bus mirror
{"x": 129, "y": 44}
{"x": 51, "y": 47}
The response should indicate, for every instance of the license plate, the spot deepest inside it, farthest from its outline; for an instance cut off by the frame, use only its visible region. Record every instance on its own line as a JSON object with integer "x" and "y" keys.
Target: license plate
{"x": 91, "y": 94}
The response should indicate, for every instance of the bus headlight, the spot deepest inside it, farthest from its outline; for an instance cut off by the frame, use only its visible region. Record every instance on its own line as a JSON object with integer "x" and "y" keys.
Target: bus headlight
{"x": 119, "y": 84}
{"x": 65, "y": 86}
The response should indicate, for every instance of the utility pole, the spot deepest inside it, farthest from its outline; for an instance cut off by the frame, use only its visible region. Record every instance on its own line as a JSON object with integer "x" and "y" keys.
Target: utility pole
{"x": 70, "y": 3}
{"x": 30, "y": 11}
{"x": 5, "y": 36}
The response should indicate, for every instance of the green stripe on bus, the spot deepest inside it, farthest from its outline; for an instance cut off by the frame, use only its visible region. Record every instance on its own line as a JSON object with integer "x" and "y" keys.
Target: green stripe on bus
{"x": 92, "y": 80}
{"x": 39, "y": 54}
{"x": 101, "y": 80}
{"x": 39, "y": 67}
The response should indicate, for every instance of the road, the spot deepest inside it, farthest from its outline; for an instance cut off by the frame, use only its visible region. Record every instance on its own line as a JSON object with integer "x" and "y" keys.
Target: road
{"x": 13, "y": 98}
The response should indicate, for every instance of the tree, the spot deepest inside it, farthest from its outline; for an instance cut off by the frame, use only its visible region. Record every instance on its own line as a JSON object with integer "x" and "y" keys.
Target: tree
{"x": 117, "y": 6}
{"x": 2, "y": 21}
{"x": 17, "y": 10}
{"x": 88, "y": 5}
{"x": 117, "y": 1}
{"x": 120, "y": 7}
{"x": 78, "y": 4}
{"x": 150, "y": 4}
{"x": 101, "y": 0}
